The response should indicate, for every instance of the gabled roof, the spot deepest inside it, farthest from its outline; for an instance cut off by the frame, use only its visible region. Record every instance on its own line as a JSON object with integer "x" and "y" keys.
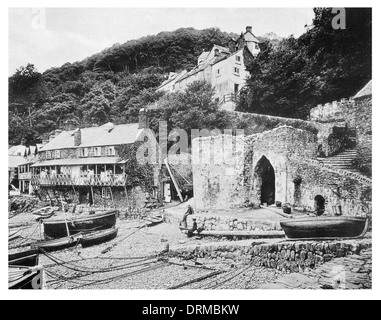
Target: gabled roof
{"x": 20, "y": 150}
{"x": 173, "y": 77}
{"x": 364, "y": 92}
{"x": 15, "y": 161}
{"x": 106, "y": 135}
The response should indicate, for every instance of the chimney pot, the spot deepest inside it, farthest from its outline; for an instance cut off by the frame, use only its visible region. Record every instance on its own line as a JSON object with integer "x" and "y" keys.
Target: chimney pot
{"x": 77, "y": 137}
{"x": 143, "y": 118}
{"x": 249, "y": 29}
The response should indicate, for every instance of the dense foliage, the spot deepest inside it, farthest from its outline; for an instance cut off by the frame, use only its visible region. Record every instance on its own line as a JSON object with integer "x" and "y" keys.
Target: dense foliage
{"x": 322, "y": 65}
{"x": 110, "y": 86}
{"x": 288, "y": 78}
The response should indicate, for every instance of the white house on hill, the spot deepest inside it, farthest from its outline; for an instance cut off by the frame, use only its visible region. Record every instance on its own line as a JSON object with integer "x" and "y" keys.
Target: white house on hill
{"x": 222, "y": 67}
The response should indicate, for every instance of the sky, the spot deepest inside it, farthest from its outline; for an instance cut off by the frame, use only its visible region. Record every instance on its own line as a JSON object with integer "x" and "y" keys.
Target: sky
{"x": 53, "y": 36}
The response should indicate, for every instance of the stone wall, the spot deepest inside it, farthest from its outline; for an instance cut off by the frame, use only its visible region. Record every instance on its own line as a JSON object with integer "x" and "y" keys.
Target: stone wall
{"x": 299, "y": 178}
{"x": 284, "y": 256}
{"x": 338, "y": 187}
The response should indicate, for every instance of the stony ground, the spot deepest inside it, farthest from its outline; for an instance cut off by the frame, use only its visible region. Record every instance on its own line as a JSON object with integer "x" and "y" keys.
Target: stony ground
{"x": 133, "y": 261}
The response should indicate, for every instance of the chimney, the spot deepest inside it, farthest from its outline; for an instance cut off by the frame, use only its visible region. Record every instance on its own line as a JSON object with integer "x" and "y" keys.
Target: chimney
{"x": 23, "y": 142}
{"x": 143, "y": 118}
{"x": 249, "y": 29}
{"x": 232, "y": 45}
{"x": 77, "y": 137}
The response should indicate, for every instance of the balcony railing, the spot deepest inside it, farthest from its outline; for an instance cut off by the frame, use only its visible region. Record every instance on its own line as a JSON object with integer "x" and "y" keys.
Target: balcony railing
{"x": 102, "y": 180}
{"x": 25, "y": 176}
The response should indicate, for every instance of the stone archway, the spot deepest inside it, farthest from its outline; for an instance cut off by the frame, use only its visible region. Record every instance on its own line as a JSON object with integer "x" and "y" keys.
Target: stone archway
{"x": 264, "y": 175}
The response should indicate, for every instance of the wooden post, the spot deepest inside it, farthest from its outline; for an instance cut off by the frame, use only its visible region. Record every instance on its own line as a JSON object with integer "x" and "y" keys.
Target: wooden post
{"x": 112, "y": 197}
{"x": 92, "y": 193}
{"x": 128, "y": 202}
{"x": 174, "y": 180}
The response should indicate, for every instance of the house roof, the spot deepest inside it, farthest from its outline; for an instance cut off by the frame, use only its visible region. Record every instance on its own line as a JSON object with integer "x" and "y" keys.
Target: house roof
{"x": 15, "y": 161}
{"x": 106, "y": 135}
{"x": 79, "y": 161}
{"x": 364, "y": 92}
{"x": 20, "y": 150}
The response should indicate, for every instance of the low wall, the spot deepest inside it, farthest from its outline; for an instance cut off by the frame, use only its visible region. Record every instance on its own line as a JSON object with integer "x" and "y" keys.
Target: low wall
{"x": 292, "y": 256}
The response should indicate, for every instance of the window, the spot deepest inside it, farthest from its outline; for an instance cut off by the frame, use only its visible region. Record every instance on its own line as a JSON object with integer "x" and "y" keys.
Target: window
{"x": 95, "y": 152}
{"x": 236, "y": 70}
{"x": 237, "y": 58}
{"x": 83, "y": 152}
{"x": 48, "y": 154}
{"x": 110, "y": 151}
{"x": 58, "y": 154}
{"x": 256, "y": 46}
{"x": 218, "y": 73}
{"x": 106, "y": 193}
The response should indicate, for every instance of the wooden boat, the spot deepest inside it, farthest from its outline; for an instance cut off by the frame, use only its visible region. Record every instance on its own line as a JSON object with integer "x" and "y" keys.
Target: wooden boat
{"x": 27, "y": 258}
{"x": 325, "y": 227}
{"x": 25, "y": 277}
{"x": 97, "y": 237}
{"x": 58, "y": 228}
{"x": 44, "y": 213}
{"x": 154, "y": 220}
{"x": 57, "y": 244}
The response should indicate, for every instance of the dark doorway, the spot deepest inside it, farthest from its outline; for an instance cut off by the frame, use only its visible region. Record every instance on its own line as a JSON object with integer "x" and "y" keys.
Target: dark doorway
{"x": 265, "y": 176}
{"x": 319, "y": 205}
{"x": 236, "y": 88}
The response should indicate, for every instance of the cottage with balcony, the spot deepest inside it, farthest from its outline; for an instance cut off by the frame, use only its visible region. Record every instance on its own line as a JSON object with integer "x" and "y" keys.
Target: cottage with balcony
{"x": 85, "y": 162}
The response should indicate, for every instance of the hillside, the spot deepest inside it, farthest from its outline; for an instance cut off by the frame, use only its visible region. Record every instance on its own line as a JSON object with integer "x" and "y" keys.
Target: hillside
{"x": 288, "y": 78}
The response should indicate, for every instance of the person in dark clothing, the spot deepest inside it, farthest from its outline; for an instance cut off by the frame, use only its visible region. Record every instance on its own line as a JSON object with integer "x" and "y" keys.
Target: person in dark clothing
{"x": 191, "y": 231}
{"x": 183, "y": 223}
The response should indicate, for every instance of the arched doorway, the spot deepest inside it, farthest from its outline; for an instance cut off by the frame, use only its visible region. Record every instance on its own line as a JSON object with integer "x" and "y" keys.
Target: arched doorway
{"x": 265, "y": 181}
{"x": 319, "y": 205}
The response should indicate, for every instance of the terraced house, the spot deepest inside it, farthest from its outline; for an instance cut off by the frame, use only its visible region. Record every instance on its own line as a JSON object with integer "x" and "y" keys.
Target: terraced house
{"x": 84, "y": 163}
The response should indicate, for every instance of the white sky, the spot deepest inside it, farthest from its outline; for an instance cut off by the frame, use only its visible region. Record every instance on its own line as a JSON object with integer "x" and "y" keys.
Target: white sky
{"x": 51, "y": 37}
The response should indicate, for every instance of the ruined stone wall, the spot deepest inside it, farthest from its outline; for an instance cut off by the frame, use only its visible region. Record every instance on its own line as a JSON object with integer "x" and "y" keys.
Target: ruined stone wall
{"x": 299, "y": 177}
{"x": 339, "y": 188}
{"x": 223, "y": 181}
{"x": 218, "y": 172}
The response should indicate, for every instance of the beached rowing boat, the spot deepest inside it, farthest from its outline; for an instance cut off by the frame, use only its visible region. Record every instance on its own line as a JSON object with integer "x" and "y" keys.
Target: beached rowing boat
{"x": 28, "y": 258}
{"x": 59, "y": 228}
{"x": 25, "y": 277}
{"x": 44, "y": 213}
{"x": 98, "y": 237}
{"x": 325, "y": 227}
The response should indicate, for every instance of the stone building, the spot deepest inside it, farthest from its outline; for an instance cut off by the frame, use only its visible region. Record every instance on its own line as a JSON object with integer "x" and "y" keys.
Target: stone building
{"x": 281, "y": 160}
{"x": 222, "y": 67}
{"x": 84, "y": 165}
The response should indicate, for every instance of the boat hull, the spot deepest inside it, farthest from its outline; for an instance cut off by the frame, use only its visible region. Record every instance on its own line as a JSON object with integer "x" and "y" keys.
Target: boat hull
{"x": 27, "y": 258}
{"x": 25, "y": 278}
{"x": 57, "y": 244}
{"x": 56, "y": 229}
{"x": 325, "y": 227}
{"x": 98, "y": 237}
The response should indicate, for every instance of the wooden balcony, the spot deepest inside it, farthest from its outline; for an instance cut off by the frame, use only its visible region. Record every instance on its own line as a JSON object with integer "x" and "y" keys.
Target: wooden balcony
{"x": 25, "y": 176}
{"x": 101, "y": 180}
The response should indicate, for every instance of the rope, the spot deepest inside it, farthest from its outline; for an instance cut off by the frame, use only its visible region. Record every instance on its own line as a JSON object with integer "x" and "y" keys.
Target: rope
{"x": 228, "y": 279}
{"x": 215, "y": 273}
